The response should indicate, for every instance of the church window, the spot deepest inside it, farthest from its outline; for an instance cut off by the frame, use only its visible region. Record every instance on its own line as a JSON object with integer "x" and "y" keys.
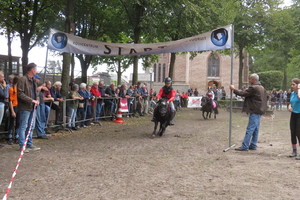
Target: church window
{"x": 159, "y": 73}
{"x": 213, "y": 66}
{"x": 154, "y": 71}
{"x": 164, "y": 71}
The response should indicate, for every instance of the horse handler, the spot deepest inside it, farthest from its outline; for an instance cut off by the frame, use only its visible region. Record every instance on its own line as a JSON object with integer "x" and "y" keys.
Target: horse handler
{"x": 167, "y": 92}
{"x": 255, "y": 105}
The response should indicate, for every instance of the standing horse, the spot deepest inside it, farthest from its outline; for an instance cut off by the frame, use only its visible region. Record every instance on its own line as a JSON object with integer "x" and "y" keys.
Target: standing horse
{"x": 162, "y": 116}
{"x": 208, "y": 107}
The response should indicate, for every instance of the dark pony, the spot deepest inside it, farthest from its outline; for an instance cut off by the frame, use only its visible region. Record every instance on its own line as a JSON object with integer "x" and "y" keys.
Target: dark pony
{"x": 207, "y": 107}
{"x": 162, "y": 116}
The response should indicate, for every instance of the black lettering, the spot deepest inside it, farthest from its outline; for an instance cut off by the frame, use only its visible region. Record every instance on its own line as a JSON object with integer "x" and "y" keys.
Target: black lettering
{"x": 161, "y": 47}
{"x": 147, "y": 49}
{"x": 132, "y": 51}
{"x": 109, "y": 49}
{"x": 119, "y": 51}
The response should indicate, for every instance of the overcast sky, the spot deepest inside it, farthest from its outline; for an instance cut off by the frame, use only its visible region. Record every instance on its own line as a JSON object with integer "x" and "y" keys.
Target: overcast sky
{"x": 38, "y": 54}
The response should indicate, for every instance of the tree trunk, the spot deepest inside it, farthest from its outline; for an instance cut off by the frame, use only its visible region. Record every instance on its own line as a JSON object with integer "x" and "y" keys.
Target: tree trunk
{"x": 139, "y": 13}
{"x": 85, "y": 61}
{"x": 284, "y": 81}
{"x": 172, "y": 64}
{"x": 65, "y": 77}
{"x": 119, "y": 82}
{"x": 72, "y": 66}
{"x": 135, "y": 70}
{"x": 25, "y": 51}
{"x": 83, "y": 69}
{"x": 241, "y": 65}
{"x": 9, "y": 54}
{"x": 84, "y": 74}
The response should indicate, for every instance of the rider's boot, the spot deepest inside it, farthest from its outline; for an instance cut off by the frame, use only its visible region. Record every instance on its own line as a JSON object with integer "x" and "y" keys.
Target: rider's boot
{"x": 171, "y": 123}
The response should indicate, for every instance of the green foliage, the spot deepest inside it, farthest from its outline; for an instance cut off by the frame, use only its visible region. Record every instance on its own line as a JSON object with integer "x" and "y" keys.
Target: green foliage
{"x": 293, "y": 69}
{"x": 177, "y": 19}
{"x": 147, "y": 61}
{"x": 271, "y": 79}
{"x": 114, "y": 61}
{"x": 279, "y": 51}
{"x": 271, "y": 34}
{"x": 30, "y": 19}
{"x": 249, "y": 26}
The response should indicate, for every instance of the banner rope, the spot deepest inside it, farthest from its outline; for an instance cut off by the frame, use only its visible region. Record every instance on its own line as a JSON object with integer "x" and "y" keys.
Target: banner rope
{"x": 20, "y": 157}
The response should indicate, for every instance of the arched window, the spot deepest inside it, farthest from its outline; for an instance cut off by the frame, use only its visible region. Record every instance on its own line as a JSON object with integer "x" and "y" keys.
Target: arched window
{"x": 164, "y": 72}
{"x": 159, "y": 73}
{"x": 154, "y": 71}
{"x": 213, "y": 65}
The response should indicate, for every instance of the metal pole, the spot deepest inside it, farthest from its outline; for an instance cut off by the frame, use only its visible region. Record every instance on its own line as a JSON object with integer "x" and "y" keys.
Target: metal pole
{"x": 64, "y": 113}
{"x": 231, "y": 82}
{"x": 45, "y": 65}
{"x": 95, "y": 109}
{"x": 151, "y": 80}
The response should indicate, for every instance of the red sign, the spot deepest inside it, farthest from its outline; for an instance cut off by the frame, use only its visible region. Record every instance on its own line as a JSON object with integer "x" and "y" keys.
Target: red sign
{"x": 123, "y": 105}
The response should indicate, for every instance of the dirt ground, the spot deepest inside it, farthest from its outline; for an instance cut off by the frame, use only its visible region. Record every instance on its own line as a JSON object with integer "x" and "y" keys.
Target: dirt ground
{"x": 121, "y": 161}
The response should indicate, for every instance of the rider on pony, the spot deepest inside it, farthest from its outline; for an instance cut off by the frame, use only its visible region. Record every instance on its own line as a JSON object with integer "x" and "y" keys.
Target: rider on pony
{"x": 168, "y": 92}
{"x": 210, "y": 94}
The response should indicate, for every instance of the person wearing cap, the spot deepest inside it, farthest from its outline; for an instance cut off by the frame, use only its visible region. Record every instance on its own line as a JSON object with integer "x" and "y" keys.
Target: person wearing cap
{"x": 28, "y": 100}
{"x": 168, "y": 92}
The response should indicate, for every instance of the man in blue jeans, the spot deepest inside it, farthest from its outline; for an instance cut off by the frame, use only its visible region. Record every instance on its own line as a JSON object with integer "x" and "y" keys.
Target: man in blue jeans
{"x": 28, "y": 99}
{"x": 255, "y": 105}
{"x": 41, "y": 110}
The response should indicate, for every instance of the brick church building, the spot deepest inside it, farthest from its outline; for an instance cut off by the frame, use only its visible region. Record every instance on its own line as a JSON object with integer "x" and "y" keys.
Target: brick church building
{"x": 205, "y": 70}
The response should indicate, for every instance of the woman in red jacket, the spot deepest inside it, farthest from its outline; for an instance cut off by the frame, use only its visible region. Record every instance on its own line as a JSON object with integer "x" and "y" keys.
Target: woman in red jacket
{"x": 95, "y": 92}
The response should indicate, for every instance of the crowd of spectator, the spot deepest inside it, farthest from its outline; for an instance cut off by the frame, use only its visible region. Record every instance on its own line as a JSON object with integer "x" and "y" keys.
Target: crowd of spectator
{"x": 29, "y": 102}
{"x": 216, "y": 93}
{"x": 279, "y": 98}
{"x": 85, "y": 104}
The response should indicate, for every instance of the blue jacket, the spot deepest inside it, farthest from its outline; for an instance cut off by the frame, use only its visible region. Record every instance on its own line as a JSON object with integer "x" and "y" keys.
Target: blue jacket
{"x": 55, "y": 93}
{"x": 84, "y": 94}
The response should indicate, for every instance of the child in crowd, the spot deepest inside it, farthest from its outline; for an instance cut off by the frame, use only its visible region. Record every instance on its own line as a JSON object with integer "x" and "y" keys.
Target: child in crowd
{"x": 13, "y": 108}
{"x": 73, "y": 105}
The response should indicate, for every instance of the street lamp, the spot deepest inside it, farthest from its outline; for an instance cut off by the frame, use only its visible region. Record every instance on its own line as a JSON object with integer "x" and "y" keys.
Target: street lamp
{"x": 150, "y": 71}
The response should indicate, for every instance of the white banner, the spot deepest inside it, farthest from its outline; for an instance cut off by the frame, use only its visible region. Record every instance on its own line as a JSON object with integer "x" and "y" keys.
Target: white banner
{"x": 194, "y": 102}
{"x": 217, "y": 39}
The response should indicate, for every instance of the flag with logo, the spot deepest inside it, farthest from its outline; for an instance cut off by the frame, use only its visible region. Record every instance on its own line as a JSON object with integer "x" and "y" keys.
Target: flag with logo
{"x": 219, "y": 38}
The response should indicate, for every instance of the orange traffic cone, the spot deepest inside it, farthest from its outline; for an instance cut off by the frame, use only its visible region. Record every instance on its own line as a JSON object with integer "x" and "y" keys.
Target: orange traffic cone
{"x": 119, "y": 117}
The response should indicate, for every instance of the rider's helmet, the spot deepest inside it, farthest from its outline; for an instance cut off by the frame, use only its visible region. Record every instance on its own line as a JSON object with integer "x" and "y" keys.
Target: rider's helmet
{"x": 168, "y": 80}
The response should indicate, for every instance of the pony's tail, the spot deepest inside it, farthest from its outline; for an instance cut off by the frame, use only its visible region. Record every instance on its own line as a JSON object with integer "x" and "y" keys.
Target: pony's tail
{"x": 216, "y": 110}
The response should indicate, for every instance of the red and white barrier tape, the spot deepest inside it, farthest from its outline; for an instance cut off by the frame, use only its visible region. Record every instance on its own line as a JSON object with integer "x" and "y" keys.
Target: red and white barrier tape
{"x": 20, "y": 158}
